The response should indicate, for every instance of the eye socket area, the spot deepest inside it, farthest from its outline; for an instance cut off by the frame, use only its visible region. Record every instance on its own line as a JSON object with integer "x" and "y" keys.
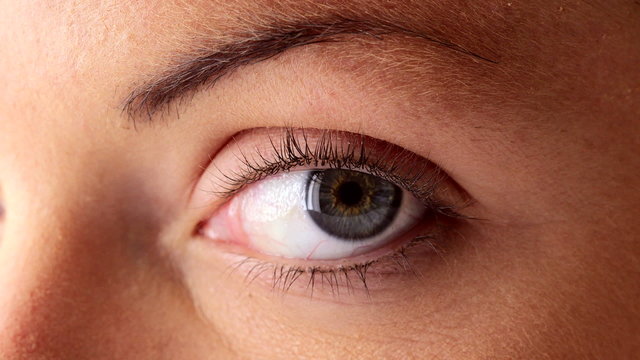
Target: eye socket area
{"x": 316, "y": 215}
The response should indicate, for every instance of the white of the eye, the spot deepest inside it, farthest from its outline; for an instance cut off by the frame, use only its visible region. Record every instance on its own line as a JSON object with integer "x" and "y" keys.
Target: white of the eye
{"x": 273, "y": 215}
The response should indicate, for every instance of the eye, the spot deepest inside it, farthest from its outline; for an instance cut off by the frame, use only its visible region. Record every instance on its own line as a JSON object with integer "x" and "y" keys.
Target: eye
{"x": 308, "y": 205}
{"x": 320, "y": 214}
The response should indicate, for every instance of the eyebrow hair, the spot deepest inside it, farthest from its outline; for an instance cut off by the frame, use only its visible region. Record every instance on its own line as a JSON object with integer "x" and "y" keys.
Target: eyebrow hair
{"x": 204, "y": 70}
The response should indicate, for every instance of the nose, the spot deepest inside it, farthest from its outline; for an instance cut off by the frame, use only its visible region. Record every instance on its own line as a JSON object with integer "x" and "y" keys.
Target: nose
{"x": 52, "y": 267}
{"x": 70, "y": 281}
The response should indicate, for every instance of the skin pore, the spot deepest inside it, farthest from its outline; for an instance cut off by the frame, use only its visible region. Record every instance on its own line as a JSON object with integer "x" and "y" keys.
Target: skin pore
{"x": 530, "y": 108}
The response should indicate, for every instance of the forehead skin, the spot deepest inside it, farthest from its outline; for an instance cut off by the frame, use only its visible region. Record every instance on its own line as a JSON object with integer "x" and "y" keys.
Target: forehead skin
{"x": 545, "y": 140}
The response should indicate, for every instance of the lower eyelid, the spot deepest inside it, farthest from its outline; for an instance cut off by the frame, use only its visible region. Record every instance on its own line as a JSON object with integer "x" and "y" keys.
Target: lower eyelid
{"x": 372, "y": 280}
{"x": 371, "y": 277}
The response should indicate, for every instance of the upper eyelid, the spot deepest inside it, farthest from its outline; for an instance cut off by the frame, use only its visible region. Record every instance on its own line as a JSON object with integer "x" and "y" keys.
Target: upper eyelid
{"x": 291, "y": 148}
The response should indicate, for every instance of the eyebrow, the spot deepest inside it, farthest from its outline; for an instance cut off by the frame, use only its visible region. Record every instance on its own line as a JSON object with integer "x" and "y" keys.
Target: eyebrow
{"x": 203, "y": 71}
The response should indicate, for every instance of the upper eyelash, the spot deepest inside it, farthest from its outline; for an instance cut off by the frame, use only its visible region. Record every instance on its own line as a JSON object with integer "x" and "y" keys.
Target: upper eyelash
{"x": 390, "y": 163}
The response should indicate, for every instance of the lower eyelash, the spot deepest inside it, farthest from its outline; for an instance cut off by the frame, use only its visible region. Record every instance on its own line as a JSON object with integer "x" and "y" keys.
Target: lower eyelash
{"x": 342, "y": 278}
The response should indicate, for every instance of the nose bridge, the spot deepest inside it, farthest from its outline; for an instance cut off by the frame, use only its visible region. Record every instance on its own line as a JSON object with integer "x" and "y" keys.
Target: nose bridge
{"x": 75, "y": 245}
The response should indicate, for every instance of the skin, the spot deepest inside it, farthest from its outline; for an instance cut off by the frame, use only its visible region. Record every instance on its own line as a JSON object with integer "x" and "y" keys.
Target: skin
{"x": 98, "y": 257}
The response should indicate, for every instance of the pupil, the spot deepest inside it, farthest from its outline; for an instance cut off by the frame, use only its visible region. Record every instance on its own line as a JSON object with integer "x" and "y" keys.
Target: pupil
{"x": 350, "y": 193}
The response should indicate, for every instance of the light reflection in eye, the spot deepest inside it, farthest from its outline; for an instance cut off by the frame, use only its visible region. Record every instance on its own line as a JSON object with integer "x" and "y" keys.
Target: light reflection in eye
{"x": 325, "y": 214}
